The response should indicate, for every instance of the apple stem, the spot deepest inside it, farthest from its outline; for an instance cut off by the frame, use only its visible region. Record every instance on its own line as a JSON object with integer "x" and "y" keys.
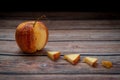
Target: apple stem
{"x": 41, "y": 17}
{"x": 35, "y": 22}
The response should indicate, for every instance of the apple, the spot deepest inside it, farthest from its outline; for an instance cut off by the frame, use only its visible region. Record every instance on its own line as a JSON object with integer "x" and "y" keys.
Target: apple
{"x": 54, "y": 55}
{"x": 31, "y": 36}
{"x": 90, "y": 60}
{"x": 107, "y": 64}
{"x": 72, "y": 58}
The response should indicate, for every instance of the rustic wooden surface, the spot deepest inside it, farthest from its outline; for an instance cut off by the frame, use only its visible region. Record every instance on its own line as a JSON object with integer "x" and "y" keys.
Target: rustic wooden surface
{"x": 91, "y": 37}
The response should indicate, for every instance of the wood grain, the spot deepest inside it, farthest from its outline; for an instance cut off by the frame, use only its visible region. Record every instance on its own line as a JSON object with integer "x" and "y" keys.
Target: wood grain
{"x": 67, "y": 24}
{"x": 69, "y": 35}
{"x": 88, "y": 34}
{"x": 60, "y": 77}
{"x": 44, "y": 65}
{"x": 100, "y": 47}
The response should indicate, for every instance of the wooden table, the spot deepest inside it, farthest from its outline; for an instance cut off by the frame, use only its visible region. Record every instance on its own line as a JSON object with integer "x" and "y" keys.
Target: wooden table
{"x": 94, "y": 35}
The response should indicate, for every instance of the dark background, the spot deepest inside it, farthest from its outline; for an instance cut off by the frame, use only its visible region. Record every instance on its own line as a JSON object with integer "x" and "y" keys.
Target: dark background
{"x": 49, "y": 6}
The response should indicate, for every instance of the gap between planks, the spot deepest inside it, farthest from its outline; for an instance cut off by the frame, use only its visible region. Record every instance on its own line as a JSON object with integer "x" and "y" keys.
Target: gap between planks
{"x": 44, "y": 53}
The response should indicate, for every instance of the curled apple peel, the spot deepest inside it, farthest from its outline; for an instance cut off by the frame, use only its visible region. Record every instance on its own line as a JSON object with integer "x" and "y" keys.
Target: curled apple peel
{"x": 31, "y": 37}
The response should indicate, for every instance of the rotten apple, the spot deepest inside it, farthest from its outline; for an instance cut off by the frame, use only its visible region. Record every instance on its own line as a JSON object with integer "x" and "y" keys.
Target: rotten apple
{"x": 31, "y": 36}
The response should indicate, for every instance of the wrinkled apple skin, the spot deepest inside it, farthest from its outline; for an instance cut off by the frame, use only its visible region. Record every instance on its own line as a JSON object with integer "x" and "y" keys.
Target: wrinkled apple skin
{"x": 25, "y": 36}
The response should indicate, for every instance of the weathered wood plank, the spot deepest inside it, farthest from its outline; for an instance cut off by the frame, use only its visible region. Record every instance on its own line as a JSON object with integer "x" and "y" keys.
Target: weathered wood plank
{"x": 68, "y": 24}
{"x": 43, "y": 65}
{"x": 60, "y": 15}
{"x": 10, "y": 47}
{"x": 60, "y": 77}
{"x": 68, "y": 35}
{"x": 95, "y": 38}
{"x": 85, "y": 46}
